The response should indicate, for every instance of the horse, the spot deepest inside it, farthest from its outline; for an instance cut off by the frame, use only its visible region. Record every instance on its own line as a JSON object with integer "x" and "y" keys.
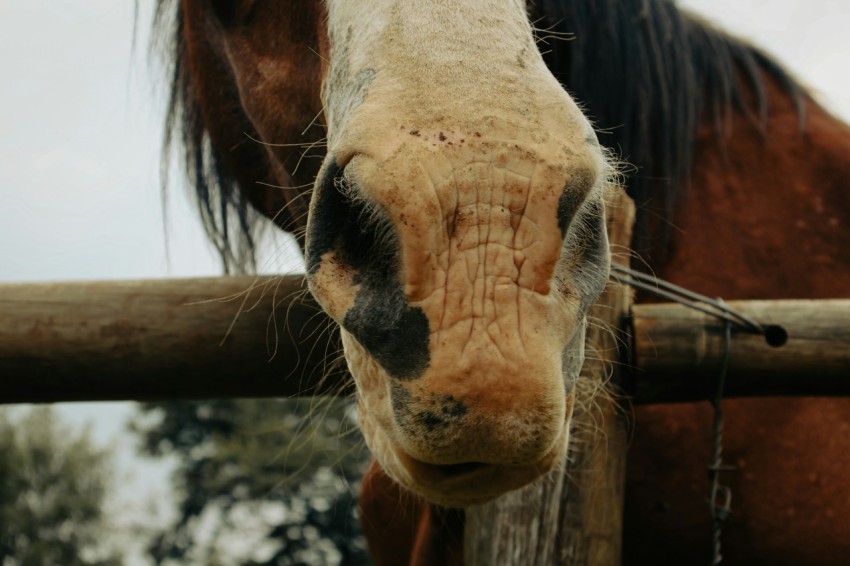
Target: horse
{"x": 448, "y": 194}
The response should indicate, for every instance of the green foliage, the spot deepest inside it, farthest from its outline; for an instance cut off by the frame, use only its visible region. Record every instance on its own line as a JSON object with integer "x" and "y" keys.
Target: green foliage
{"x": 260, "y": 481}
{"x": 53, "y": 483}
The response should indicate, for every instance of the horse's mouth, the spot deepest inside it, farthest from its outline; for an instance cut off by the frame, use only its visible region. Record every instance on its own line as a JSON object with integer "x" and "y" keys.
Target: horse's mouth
{"x": 454, "y": 470}
{"x": 446, "y": 475}
{"x": 472, "y": 483}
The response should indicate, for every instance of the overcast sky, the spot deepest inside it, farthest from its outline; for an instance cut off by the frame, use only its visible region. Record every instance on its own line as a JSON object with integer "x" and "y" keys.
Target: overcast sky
{"x": 80, "y": 130}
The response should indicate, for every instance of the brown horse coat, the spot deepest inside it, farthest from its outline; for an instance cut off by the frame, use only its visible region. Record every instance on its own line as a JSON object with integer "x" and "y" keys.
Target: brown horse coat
{"x": 766, "y": 214}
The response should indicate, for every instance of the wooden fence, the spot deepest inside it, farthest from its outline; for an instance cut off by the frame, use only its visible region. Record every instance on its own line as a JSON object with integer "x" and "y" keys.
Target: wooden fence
{"x": 265, "y": 337}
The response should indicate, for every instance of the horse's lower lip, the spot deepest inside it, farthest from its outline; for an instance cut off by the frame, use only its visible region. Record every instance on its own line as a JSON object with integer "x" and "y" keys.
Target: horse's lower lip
{"x": 463, "y": 484}
{"x": 446, "y": 475}
{"x": 462, "y": 469}
{"x": 449, "y": 471}
{"x": 455, "y": 485}
{"x": 468, "y": 483}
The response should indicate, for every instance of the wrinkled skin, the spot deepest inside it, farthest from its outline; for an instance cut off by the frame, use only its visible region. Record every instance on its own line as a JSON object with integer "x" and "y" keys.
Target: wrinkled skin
{"x": 766, "y": 217}
{"x": 456, "y": 230}
{"x": 472, "y": 185}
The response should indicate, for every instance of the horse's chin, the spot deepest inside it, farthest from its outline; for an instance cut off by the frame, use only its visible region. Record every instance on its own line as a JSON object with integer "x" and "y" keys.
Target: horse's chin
{"x": 461, "y": 485}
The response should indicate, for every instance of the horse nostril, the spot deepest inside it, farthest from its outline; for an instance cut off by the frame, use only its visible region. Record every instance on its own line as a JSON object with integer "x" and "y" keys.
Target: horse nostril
{"x": 356, "y": 238}
{"x": 345, "y": 221}
{"x": 363, "y": 228}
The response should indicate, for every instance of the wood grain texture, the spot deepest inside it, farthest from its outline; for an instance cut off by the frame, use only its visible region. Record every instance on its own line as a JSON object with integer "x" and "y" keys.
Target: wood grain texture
{"x": 119, "y": 340}
{"x": 572, "y": 516}
{"x": 678, "y": 352}
{"x": 162, "y": 339}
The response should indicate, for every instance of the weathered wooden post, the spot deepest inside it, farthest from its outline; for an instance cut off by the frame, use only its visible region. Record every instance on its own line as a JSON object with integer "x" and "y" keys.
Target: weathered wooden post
{"x": 231, "y": 337}
{"x": 572, "y": 516}
{"x": 678, "y": 351}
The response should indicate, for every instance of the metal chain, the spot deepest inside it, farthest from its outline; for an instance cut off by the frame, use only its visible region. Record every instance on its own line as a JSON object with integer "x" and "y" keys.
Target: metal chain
{"x": 719, "y": 496}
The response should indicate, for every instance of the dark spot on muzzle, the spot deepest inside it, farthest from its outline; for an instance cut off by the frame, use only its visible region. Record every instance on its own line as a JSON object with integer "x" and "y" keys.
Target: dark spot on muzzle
{"x": 393, "y": 332}
{"x": 430, "y": 415}
{"x": 365, "y": 240}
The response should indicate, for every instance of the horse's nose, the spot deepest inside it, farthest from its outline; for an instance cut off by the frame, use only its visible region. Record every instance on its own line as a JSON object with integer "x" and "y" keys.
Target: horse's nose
{"x": 406, "y": 251}
{"x": 453, "y": 235}
{"x": 439, "y": 267}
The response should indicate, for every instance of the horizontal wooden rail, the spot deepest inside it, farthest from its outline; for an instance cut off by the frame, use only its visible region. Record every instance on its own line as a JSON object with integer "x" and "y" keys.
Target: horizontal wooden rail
{"x": 678, "y": 352}
{"x": 163, "y": 339}
{"x": 264, "y": 337}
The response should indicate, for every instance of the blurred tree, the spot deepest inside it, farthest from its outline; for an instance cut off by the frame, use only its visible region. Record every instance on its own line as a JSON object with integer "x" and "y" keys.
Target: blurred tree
{"x": 53, "y": 483}
{"x": 261, "y": 482}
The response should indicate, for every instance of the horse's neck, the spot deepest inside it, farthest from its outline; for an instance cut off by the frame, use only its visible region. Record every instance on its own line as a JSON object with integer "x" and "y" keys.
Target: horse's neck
{"x": 767, "y": 216}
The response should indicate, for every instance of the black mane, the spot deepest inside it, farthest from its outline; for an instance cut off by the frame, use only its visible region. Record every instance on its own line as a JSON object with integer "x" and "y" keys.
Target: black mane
{"x": 226, "y": 215}
{"x": 645, "y": 72}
